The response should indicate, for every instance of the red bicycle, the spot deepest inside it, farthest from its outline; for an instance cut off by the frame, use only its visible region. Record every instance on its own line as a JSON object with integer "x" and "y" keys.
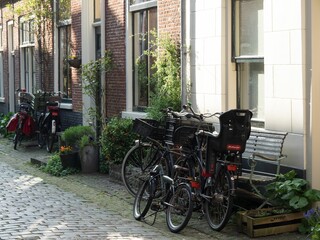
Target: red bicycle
{"x": 22, "y": 123}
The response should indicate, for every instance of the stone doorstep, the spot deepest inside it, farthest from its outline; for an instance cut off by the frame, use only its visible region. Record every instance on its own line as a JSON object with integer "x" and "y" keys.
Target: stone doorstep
{"x": 40, "y": 160}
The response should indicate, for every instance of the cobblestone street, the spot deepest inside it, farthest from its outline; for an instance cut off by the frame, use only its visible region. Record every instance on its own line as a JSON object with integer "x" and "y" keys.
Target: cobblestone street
{"x": 35, "y": 205}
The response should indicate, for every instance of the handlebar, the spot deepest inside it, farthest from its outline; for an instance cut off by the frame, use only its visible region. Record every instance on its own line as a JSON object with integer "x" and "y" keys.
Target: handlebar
{"x": 188, "y": 112}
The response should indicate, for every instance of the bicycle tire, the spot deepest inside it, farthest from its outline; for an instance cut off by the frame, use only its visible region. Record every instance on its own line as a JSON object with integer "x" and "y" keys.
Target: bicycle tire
{"x": 137, "y": 164}
{"x": 142, "y": 201}
{"x": 17, "y": 138}
{"x": 218, "y": 210}
{"x": 41, "y": 138}
{"x": 180, "y": 208}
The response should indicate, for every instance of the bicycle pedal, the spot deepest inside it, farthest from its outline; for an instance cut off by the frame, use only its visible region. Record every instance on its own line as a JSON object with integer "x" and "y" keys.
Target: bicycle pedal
{"x": 155, "y": 207}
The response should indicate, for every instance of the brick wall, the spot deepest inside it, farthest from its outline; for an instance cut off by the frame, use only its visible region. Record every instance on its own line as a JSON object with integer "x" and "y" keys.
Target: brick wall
{"x": 76, "y": 42}
{"x": 115, "y": 41}
{"x": 169, "y": 18}
{"x": 44, "y": 80}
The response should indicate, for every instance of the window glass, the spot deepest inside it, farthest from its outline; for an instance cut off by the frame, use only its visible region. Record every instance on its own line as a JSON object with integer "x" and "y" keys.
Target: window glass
{"x": 1, "y": 40}
{"x": 138, "y": 1}
{"x": 249, "y": 29}
{"x": 251, "y": 85}
{"x": 27, "y": 33}
{"x": 248, "y": 54}
{"x": 1, "y": 74}
{"x": 64, "y": 10}
{"x": 145, "y": 22}
{"x": 27, "y": 55}
{"x": 65, "y": 82}
{"x": 97, "y": 11}
{"x": 1, "y": 62}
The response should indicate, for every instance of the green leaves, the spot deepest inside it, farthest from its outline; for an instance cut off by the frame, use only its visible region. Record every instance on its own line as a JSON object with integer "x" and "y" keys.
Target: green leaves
{"x": 116, "y": 139}
{"x": 291, "y": 192}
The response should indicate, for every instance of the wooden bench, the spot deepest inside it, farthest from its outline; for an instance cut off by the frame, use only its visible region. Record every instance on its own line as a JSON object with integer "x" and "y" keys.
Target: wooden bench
{"x": 262, "y": 158}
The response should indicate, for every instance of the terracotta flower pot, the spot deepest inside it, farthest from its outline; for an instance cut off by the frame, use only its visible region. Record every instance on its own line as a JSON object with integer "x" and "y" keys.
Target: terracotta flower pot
{"x": 70, "y": 160}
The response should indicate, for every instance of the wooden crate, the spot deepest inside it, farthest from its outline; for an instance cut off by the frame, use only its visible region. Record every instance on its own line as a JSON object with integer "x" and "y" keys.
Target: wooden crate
{"x": 268, "y": 225}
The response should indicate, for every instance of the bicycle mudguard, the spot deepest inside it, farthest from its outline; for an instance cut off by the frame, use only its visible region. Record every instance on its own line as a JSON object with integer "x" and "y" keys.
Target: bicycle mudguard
{"x": 28, "y": 126}
{"x": 13, "y": 123}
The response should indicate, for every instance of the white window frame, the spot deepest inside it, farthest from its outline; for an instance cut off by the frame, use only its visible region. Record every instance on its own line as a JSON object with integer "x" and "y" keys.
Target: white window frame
{"x": 2, "y": 99}
{"x": 243, "y": 63}
{"x": 27, "y": 46}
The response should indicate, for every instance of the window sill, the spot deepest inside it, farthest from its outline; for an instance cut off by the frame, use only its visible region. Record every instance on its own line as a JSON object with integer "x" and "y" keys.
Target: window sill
{"x": 67, "y": 106}
{"x": 2, "y": 99}
{"x": 133, "y": 115}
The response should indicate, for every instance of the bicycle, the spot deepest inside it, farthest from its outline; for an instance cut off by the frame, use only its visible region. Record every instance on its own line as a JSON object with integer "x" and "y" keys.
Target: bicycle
{"x": 153, "y": 146}
{"x": 161, "y": 193}
{"x": 23, "y": 123}
{"x": 49, "y": 122}
{"x": 214, "y": 163}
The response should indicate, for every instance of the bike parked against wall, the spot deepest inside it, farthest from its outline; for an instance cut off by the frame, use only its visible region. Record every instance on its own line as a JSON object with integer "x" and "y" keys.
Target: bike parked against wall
{"x": 23, "y": 123}
{"x": 213, "y": 161}
{"x": 49, "y": 123}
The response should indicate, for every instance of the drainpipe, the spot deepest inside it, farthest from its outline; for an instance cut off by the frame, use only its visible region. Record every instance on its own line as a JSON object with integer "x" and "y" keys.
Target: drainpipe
{"x": 103, "y": 48}
{"x": 184, "y": 52}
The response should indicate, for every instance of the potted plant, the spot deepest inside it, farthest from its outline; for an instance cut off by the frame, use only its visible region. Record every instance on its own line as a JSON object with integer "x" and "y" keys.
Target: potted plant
{"x": 89, "y": 157}
{"x": 289, "y": 197}
{"x": 72, "y": 137}
{"x": 68, "y": 157}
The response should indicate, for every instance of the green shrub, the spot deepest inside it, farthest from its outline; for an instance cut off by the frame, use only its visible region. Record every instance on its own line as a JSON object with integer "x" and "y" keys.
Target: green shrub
{"x": 72, "y": 135}
{"x": 166, "y": 78}
{"x": 4, "y": 119}
{"x": 291, "y": 192}
{"x": 116, "y": 139}
{"x": 54, "y": 167}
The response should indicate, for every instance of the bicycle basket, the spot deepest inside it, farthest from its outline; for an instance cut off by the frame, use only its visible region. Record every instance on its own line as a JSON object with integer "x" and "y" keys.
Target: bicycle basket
{"x": 145, "y": 127}
{"x": 172, "y": 124}
{"x": 184, "y": 135}
{"x": 41, "y": 99}
{"x": 25, "y": 97}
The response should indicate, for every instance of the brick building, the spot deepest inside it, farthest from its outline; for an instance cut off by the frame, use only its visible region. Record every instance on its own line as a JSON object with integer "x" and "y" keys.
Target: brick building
{"x": 257, "y": 54}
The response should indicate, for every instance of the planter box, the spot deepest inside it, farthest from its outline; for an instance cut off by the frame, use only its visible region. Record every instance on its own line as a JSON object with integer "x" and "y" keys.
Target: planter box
{"x": 89, "y": 159}
{"x": 70, "y": 160}
{"x": 76, "y": 63}
{"x": 268, "y": 225}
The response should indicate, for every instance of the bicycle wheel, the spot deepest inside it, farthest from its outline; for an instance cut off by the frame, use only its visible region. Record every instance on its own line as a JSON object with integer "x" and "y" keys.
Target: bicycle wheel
{"x": 17, "y": 137}
{"x": 41, "y": 137}
{"x": 142, "y": 201}
{"x": 137, "y": 164}
{"x": 51, "y": 138}
{"x": 180, "y": 208}
{"x": 219, "y": 207}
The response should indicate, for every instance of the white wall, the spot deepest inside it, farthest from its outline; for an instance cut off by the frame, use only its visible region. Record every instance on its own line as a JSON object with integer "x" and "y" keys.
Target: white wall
{"x": 207, "y": 39}
{"x": 212, "y": 75}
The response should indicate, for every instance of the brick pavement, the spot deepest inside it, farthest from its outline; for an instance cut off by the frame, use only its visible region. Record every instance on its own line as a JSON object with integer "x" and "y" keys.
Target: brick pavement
{"x": 35, "y": 205}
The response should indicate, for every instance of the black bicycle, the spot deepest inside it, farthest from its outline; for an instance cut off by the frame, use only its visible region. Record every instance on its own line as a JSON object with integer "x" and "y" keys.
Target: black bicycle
{"x": 213, "y": 162}
{"x": 155, "y": 144}
{"x": 49, "y": 123}
{"x": 161, "y": 193}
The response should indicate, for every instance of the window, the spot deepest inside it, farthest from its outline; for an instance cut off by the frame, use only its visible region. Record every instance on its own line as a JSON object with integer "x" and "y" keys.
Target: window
{"x": 64, "y": 10}
{"x": 1, "y": 64}
{"x": 27, "y": 33}
{"x": 27, "y": 55}
{"x": 97, "y": 11}
{"x": 65, "y": 81}
{"x": 64, "y": 47}
{"x": 248, "y": 54}
{"x": 144, "y": 19}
